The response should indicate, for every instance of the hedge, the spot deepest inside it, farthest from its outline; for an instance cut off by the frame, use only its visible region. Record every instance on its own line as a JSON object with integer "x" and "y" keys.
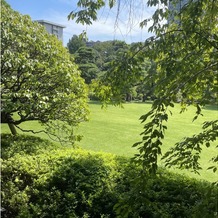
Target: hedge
{"x": 40, "y": 179}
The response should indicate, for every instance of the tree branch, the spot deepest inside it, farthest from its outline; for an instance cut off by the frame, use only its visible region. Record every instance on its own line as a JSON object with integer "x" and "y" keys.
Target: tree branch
{"x": 32, "y": 131}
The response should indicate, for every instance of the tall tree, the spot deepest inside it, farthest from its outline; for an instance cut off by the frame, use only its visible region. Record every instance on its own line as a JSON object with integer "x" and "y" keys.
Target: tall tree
{"x": 109, "y": 51}
{"x": 89, "y": 62}
{"x": 75, "y": 43}
{"x": 38, "y": 80}
{"x": 185, "y": 52}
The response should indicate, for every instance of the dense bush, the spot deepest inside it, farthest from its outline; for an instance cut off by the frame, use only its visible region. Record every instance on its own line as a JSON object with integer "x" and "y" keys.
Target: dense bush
{"x": 167, "y": 196}
{"x": 40, "y": 179}
{"x": 24, "y": 145}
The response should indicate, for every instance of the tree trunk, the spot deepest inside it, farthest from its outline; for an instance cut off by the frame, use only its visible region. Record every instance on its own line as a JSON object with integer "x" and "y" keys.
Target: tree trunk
{"x": 12, "y": 128}
{"x": 7, "y": 118}
{"x": 144, "y": 98}
{"x": 128, "y": 97}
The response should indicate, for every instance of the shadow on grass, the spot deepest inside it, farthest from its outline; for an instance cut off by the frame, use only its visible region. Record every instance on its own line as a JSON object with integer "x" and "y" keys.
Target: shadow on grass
{"x": 213, "y": 107}
{"x": 95, "y": 102}
{"x": 131, "y": 102}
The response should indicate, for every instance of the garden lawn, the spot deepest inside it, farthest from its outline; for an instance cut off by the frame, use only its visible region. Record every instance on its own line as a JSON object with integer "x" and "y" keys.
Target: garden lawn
{"x": 116, "y": 129}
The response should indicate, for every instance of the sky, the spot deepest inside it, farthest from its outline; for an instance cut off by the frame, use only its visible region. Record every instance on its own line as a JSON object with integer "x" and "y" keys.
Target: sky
{"x": 107, "y": 27}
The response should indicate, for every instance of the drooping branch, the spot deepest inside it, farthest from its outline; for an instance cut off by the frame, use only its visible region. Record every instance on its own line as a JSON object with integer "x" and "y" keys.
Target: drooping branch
{"x": 32, "y": 131}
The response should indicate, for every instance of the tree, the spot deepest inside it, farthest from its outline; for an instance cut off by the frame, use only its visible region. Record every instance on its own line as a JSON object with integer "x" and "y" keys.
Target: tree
{"x": 75, "y": 43}
{"x": 87, "y": 58}
{"x": 38, "y": 80}
{"x": 185, "y": 52}
{"x": 145, "y": 87}
{"x": 109, "y": 50}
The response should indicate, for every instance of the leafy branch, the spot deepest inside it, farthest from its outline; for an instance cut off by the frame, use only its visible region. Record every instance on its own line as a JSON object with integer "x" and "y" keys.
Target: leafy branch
{"x": 186, "y": 154}
{"x": 153, "y": 135}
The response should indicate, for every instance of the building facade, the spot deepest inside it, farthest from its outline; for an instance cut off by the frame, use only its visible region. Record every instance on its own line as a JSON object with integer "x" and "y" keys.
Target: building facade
{"x": 53, "y": 28}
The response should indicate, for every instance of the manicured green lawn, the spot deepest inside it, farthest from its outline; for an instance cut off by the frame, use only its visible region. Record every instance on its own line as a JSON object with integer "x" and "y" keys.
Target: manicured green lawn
{"x": 116, "y": 129}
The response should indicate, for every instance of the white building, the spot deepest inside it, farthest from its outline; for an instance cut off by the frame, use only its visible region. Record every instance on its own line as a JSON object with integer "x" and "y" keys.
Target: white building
{"x": 53, "y": 28}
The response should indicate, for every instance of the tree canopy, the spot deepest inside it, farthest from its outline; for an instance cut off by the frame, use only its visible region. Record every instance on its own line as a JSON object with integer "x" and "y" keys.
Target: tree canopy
{"x": 184, "y": 50}
{"x": 39, "y": 82}
{"x": 75, "y": 43}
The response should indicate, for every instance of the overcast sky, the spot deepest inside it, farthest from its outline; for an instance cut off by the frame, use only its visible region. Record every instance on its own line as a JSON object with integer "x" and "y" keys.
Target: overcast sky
{"x": 106, "y": 28}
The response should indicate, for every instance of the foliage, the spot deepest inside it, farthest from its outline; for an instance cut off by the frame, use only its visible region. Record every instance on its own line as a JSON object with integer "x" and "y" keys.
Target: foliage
{"x": 146, "y": 87}
{"x": 110, "y": 50}
{"x": 66, "y": 182}
{"x": 75, "y": 43}
{"x": 165, "y": 195}
{"x": 184, "y": 50}
{"x": 58, "y": 182}
{"x": 88, "y": 10}
{"x": 23, "y": 145}
{"x": 111, "y": 87}
{"x": 186, "y": 154}
{"x": 94, "y": 58}
{"x": 38, "y": 80}
{"x": 89, "y": 62}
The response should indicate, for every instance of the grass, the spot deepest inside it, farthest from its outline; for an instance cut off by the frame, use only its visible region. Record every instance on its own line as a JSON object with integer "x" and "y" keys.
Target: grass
{"x": 116, "y": 129}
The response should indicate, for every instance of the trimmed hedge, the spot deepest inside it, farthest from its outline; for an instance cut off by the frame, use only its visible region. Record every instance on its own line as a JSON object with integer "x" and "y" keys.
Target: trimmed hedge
{"x": 40, "y": 179}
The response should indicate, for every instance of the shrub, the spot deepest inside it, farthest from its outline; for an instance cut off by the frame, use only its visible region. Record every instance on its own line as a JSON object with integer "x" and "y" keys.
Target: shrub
{"x": 58, "y": 182}
{"x": 42, "y": 180}
{"x": 24, "y": 144}
{"x": 167, "y": 195}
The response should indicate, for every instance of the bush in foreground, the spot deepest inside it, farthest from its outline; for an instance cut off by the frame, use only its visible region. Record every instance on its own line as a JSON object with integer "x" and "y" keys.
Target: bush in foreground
{"x": 40, "y": 179}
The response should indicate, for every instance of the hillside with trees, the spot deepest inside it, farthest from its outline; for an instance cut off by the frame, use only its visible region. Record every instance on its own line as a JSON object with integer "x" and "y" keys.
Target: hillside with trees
{"x": 97, "y": 59}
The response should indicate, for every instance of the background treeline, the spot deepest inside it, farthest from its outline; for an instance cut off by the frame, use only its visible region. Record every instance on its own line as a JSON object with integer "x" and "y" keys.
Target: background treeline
{"x": 41, "y": 179}
{"x": 96, "y": 59}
